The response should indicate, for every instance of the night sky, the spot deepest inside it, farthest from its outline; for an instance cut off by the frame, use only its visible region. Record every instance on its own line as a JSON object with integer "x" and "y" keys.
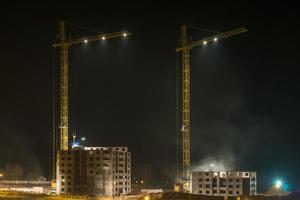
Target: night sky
{"x": 245, "y": 89}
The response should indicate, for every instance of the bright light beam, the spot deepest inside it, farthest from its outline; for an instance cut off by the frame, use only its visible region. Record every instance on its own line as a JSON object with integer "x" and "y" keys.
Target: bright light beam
{"x": 278, "y": 184}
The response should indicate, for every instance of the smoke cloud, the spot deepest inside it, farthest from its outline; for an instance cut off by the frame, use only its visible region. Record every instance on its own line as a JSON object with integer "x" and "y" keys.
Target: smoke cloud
{"x": 226, "y": 163}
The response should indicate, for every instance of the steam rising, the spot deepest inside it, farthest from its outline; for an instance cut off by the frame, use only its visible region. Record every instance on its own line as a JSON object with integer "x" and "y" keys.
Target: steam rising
{"x": 214, "y": 164}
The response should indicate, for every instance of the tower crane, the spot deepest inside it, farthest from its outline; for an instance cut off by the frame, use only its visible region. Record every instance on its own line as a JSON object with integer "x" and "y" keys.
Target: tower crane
{"x": 184, "y": 48}
{"x": 63, "y": 44}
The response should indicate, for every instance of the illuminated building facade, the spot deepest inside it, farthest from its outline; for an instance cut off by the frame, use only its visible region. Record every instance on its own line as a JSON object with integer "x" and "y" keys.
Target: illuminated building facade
{"x": 94, "y": 171}
{"x": 227, "y": 183}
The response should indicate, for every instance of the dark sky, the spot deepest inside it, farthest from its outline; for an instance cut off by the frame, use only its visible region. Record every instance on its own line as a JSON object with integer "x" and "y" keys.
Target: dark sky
{"x": 245, "y": 90}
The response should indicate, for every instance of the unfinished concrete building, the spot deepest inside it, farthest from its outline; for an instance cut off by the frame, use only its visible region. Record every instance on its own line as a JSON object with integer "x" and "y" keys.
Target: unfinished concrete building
{"x": 229, "y": 183}
{"x": 94, "y": 171}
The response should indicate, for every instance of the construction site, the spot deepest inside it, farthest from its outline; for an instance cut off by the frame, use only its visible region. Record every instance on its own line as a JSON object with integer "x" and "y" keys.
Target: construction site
{"x": 86, "y": 172}
{"x": 104, "y": 185}
{"x": 86, "y": 166}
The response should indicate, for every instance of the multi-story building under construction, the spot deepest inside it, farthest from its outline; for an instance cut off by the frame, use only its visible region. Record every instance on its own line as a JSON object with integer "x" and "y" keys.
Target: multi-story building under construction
{"x": 94, "y": 171}
{"x": 227, "y": 183}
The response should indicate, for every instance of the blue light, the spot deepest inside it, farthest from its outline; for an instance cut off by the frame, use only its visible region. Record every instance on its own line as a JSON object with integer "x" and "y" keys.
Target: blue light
{"x": 278, "y": 183}
{"x": 75, "y": 144}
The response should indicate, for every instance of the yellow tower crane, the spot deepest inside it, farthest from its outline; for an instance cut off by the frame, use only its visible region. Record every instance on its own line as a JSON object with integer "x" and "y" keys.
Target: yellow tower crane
{"x": 184, "y": 48}
{"x": 64, "y": 44}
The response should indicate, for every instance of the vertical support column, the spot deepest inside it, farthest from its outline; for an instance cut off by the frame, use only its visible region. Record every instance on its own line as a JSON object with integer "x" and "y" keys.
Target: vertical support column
{"x": 186, "y": 109}
{"x": 54, "y": 136}
{"x": 64, "y": 137}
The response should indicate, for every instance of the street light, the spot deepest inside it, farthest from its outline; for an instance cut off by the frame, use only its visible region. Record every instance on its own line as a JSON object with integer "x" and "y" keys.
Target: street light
{"x": 278, "y": 185}
{"x": 147, "y": 197}
{"x": 83, "y": 140}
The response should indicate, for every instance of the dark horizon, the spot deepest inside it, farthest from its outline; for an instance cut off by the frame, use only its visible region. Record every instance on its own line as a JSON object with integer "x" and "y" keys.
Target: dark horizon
{"x": 245, "y": 89}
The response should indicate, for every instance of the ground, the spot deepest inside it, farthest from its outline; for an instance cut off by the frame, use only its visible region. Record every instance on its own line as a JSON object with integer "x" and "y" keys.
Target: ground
{"x": 164, "y": 196}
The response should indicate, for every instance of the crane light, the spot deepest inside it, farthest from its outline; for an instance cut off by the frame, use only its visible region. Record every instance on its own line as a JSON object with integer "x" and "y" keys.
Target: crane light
{"x": 85, "y": 41}
{"x": 204, "y": 42}
{"x": 215, "y": 39}
{"x": 103, "y": 38}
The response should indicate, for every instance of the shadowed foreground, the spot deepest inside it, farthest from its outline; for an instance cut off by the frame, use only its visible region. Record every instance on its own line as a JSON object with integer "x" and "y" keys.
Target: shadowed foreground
{"x": 164, "y": 196}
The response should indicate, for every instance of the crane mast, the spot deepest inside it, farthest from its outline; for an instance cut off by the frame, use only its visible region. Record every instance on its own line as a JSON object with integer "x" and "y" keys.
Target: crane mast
{"x": 64, "y": 96}
{"x": 186, "y": 46}
{"x": 185, "y": 128}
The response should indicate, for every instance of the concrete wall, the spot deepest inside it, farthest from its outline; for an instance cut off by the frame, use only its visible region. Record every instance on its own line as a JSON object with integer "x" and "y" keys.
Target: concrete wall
{"x": 94, "y": 171}
{"x": 230, "y": 183}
